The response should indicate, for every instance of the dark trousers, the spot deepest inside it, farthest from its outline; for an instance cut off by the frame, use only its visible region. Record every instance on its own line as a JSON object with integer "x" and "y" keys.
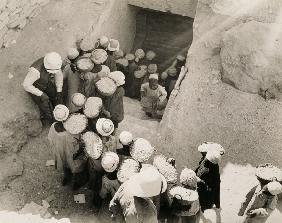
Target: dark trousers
{"x": 46, "y": 106}
{"x": 95, "y": 184}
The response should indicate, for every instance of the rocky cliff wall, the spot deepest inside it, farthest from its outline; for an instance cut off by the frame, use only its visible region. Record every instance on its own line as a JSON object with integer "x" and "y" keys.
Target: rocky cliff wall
{"x": 206, "y": 108}
{"x": 14, "y": 15}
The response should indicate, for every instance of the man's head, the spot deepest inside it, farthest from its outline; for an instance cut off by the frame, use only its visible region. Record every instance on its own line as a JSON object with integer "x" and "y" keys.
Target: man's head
{"x": 53, "y": 62}
{"x": 104, "y": 42}
{"x": 150, "y": 55}
{"x": 153, "y": 81}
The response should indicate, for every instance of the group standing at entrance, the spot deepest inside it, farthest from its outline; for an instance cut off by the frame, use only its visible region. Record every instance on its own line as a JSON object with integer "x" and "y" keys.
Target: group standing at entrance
{"x": 82, "y": 98}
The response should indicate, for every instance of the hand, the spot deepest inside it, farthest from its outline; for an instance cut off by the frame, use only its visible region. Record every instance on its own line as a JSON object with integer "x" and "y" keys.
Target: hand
{"x": 183, "y": 70}
{"x": 259, "y": 211}
{"x": 174, "y": 93}
{"x": 59, "y": 98}
{"x": 44, "y": 97}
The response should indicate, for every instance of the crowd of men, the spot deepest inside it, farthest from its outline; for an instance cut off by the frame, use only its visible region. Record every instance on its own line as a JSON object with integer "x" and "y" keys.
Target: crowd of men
{"x": 82, "y": 98}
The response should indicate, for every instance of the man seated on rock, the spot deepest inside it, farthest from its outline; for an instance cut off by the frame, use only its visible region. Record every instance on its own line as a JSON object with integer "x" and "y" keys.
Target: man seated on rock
{"x": 44, "y": 83}
{"x": 153, "y": 97}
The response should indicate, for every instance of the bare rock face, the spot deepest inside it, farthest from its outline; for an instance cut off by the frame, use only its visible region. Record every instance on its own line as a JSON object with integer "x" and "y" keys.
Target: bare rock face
{"x": 11, "y": 167}
{"x": 251, "y": 55}
{"x": 207, "y": 109}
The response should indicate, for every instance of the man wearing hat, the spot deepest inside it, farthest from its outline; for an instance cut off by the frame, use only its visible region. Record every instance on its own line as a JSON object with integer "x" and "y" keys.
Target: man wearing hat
{"x": 153, "y": 97}
{"x": 44, "y": 83}
{"x": 134, "y": 196}
{"x": 72, "y": 77}
{"x": 112, "y": 47}
{"x": 126, "y": 140}
{"x": 110, "y": 184}
{"x": 114, "y": 103}
{"x": 174, "y": 72}
{"x": 132, "y": 67}
{"x": 105, "y": 128}
{"x": 64, "y": 145}
{"x": 103, "y": 43}
{"x": 209, "y": 186}
{"x": 206, "y": 146}
{"x": 150, "y": 57}
{"x": 77, "y": 102}
{"x": 262, "y": 199}
{"x": 187, "y": 211}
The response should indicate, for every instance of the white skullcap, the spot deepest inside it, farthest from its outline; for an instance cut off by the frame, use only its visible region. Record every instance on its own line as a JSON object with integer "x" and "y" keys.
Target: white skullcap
{"x": 110, "y": 161}
{"x": 154, "y": 76}
{"x": 213, "y": 156}
{"x": 61, "y": 113}
{"x": 78, "y": 99}
{"x": 118, "y": 77}
{"x": 125, "y": 138}
{"x": 274, "y": 188}
{"x": 105, "y": 127}
{"x": 141, "y": 150}
{"x": 188, "y": 178}
{"x": 53, "y": 62}
{"x": 72, "y": 53}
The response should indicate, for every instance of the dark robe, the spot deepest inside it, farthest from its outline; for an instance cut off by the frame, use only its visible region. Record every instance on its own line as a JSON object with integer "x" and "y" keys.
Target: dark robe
{"x": 131, "y": 83}
{"x": 209, "y": 189}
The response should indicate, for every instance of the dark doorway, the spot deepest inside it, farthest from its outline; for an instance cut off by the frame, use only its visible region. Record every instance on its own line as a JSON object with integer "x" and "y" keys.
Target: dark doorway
{"x": 165, "y": 33}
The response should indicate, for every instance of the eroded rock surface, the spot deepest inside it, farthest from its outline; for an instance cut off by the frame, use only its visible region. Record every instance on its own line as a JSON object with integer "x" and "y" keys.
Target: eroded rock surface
{"x": 251, "y": 58}
{"x": 11, "y": 167}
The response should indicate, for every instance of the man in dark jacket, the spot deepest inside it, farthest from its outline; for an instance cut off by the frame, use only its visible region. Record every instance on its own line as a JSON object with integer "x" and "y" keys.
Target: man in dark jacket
{"x": 209, "y": 187}
{"x": 111, "y": 61}
{"x": 44, "y": 83}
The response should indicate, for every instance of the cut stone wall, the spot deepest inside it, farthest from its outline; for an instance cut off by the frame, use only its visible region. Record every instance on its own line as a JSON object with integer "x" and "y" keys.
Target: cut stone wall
{"x": 179, "y": 7}
{"x": 14, "y": 15}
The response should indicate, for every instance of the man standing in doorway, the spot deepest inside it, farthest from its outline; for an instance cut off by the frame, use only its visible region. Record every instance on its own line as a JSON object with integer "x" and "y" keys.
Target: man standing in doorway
{"x": 44, "y": 83}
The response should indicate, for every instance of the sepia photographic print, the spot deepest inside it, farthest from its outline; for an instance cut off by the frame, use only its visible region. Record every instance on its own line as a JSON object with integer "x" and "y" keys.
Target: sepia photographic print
{"x": 141, "y": 111}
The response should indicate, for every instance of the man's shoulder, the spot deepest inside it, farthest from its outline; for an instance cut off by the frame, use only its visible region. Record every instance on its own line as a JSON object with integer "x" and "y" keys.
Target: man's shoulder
{"x": 145, "y": 84}
{"x": 38, "y": 63}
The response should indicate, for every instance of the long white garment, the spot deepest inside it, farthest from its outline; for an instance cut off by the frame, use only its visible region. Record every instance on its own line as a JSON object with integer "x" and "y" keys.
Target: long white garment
{"x": 64, "y": 146}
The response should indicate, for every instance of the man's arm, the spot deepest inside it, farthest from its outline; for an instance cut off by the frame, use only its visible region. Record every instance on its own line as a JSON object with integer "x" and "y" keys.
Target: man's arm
{"x": 163, "y": 93}
{"x": 143, "y": 90}
{"x": 32, "y": 76}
